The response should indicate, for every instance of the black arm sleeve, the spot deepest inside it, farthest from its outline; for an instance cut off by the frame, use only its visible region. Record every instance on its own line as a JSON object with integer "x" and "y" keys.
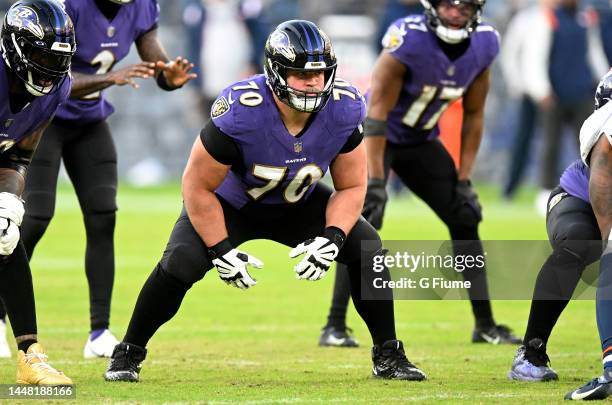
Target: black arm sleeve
{"x": 353, "y": 141}
{"x": 220, "y": 146}
{"x": 16, "y": 159}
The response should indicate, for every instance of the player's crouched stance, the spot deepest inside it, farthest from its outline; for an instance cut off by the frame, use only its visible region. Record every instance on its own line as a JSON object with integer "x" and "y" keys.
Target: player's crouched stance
{"x": 596, "y": 152}
{"x": 37, "y": 47}
{"x": 253, "y": 174}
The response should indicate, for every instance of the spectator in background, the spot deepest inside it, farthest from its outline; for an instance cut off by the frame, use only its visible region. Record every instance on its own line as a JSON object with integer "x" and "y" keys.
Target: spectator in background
{"x": 565, "y": 58}
{"x": 515, "y": 67}
{"x": 604, "y": 11}
{"x": 194, "y": 15}
{"x": 251, "y": 13}
{"x": 393, "y": 10}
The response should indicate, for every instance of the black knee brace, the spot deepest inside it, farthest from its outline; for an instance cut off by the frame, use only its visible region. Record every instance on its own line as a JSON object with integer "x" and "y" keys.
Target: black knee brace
{"x": 101, "y": 200}
{"x": 186, "y": 263}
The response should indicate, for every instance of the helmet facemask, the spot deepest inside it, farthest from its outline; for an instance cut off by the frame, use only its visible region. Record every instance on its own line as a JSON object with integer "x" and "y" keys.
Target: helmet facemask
{"x": 122, "y": 2}
{"x": 301, "y": 100}
{"x": 39, "y": 68}
{"x": 37, "y": 44}
{"x": 453, "y": 35}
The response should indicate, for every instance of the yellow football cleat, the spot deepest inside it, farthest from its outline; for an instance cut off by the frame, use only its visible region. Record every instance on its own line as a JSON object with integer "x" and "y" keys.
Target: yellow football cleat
{"x": 32, "y": 368}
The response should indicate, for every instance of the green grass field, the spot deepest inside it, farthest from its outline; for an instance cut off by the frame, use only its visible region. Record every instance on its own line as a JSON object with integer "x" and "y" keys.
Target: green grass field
{"x": 228, "y": 346}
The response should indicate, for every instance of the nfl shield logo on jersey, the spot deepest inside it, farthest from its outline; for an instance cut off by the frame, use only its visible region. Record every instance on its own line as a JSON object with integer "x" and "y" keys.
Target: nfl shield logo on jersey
{"x": 298, "y": 147}
{"x": 8, "y": 122}
{"x": 110, "y": 32}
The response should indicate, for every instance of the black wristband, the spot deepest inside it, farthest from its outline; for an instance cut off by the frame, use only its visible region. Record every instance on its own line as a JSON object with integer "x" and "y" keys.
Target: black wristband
{"x": 335, "y": 235}
{"x": 163, "y": 84}
{"x": 220, "y": 248}
{"x": 374, "y": 127}
{"x": 374, "y": 182}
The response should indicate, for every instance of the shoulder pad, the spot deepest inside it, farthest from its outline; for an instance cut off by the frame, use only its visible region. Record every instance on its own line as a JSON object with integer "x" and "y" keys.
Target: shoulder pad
{"x": 404, "y": 30}
{"x": 348, "y": 104}
{"x": 233, "y": 111}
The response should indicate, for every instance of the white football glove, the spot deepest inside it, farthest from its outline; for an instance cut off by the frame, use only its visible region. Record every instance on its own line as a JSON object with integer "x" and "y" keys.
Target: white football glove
{"x": 232, "y": 268}
{"x": 11, "y": 215}
{"x": 319, "y": 253}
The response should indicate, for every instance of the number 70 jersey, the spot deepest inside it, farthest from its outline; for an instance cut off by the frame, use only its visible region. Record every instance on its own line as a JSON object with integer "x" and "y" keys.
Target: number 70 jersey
{"x": 433, "y": 81}
{"x": 275, "y": 167}
{"x": 101, "y": 43}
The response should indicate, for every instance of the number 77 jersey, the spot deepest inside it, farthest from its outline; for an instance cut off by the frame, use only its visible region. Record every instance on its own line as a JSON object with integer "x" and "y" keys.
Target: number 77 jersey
{"x": 275, "y": 167}
{"x": 433, "y": 81}
{"x": 101, "y": 44}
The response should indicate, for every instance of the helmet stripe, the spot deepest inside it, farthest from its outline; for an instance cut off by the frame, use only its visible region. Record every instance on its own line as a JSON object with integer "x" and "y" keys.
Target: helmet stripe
{"x": 308, "y": 43}
{"x": 57, "y": 22}
{"x": 319, "y": 44}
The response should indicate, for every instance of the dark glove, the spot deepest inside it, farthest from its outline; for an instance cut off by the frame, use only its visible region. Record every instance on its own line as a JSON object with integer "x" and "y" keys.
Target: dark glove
{"x": 468, "y": 196}
{"x": 375, "y": 201}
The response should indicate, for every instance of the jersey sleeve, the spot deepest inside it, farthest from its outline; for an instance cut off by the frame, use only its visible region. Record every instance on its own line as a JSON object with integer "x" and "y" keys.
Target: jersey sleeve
{"x": 402, "y": 36}
{"x": 150, "y": 17}
{"x": 350, "y": 110}
{"x": 354, "y": 140}
{"x": 220, "y": 146}
{"x": 490, "y": 45}
{"x": 222, "y": 113}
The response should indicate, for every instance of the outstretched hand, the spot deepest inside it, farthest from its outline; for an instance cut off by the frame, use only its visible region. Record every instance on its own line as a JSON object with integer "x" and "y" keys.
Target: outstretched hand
{"x": 176, "y": 72}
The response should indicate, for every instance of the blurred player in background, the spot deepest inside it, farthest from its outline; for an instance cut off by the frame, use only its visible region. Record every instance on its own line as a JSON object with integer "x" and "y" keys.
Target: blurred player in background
{"x": 254, "y": 174}
{"x": 37, "y": 46}
{"x": 79, "y": 134}
{"x": 429, "y": 61}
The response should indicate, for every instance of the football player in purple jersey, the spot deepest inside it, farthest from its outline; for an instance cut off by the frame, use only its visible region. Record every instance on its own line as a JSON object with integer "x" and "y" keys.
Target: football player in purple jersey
{"x": 37, "y": 43}
{"x": 80, "y": 136}
{"x": 254, "y": 174}
{"x": 429, "y": 61}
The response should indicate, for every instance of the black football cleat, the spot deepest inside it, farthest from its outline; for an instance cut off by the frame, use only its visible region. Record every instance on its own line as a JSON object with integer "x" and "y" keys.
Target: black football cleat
{"x": 125, "y": 363}
{"x": 596, "y": 389}
{"x": 390, "y": 363}
{"x": 332, "y": 336}
{"x": 496, "y": 335}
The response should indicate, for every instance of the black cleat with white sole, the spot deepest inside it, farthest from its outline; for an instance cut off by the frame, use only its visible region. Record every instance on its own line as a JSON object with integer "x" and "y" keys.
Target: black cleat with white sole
{"x": 332, "y": 336}
{"x": 125, "y": 363}
{"x": 390, "y": 363}
{"x": 496, "y": 335}
{"x": 597, "y": 388}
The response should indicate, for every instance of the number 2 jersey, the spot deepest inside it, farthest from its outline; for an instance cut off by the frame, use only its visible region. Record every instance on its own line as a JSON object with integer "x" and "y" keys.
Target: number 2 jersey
{"x": 269, "y": 165}
{"x": 101, "y": 44}
{"x": 433, "y": 81}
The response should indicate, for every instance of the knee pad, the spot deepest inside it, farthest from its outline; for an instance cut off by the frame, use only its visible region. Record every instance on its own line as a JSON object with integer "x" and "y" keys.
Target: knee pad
{"x": 101, "y": 200}
{"x": 186, "y": 263}
{"x": 465, "y": 215}
{"x": 40, "y": 204}
{"x": 581, "y": 241}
